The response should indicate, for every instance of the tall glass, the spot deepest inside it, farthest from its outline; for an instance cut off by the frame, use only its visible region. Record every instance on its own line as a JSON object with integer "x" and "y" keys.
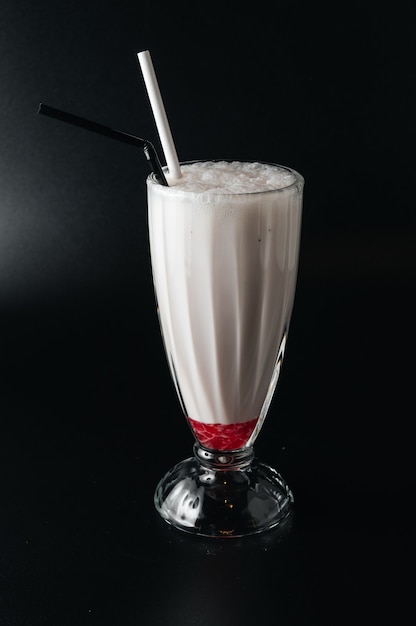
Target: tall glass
{"x": 224, "y": 268}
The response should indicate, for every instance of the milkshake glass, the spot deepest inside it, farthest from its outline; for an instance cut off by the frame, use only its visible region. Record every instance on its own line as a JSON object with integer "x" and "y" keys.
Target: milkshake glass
{"x": 224, "y": 243}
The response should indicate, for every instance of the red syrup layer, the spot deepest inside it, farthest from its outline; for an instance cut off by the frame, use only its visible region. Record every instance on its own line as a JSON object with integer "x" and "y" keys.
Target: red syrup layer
{"x": 223, "y": 436}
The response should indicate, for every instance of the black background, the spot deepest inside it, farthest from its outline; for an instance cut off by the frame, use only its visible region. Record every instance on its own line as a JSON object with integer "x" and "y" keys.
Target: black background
{"x": 89, "y": 418}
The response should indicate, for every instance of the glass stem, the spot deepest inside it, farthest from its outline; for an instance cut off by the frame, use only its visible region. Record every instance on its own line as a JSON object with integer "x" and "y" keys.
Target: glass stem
{"x": 220, "y": 460}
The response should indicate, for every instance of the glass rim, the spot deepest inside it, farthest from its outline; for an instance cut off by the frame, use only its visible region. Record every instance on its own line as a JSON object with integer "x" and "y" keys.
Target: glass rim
{"x": 298, "y": 179}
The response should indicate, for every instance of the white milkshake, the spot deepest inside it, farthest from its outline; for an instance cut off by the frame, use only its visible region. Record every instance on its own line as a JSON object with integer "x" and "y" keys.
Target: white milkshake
{"x": 224, "y": 243}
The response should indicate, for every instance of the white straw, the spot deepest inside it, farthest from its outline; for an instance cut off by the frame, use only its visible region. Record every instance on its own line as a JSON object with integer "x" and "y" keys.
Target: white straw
{"x": 159, "y": 113}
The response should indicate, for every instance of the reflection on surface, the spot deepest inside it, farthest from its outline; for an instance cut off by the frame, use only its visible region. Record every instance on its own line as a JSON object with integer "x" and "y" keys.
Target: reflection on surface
{"x": 210, "y": 581}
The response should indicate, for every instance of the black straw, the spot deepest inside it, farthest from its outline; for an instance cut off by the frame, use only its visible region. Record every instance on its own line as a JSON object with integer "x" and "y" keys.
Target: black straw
{"x": 147, "y": 147}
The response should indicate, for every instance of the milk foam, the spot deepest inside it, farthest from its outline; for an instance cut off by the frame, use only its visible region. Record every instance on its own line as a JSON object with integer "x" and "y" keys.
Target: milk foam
{"x": 224, "y": 268}
{"x": 236, "y": 177}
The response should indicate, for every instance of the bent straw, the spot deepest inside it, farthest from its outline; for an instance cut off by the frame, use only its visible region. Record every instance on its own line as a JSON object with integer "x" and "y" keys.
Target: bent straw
{"x": 159, "y": 113}
{"x": 147, "y": 146}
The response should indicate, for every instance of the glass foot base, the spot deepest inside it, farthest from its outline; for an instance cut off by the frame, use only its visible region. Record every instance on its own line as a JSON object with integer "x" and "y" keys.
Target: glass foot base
{"x": 223, "y": 494}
